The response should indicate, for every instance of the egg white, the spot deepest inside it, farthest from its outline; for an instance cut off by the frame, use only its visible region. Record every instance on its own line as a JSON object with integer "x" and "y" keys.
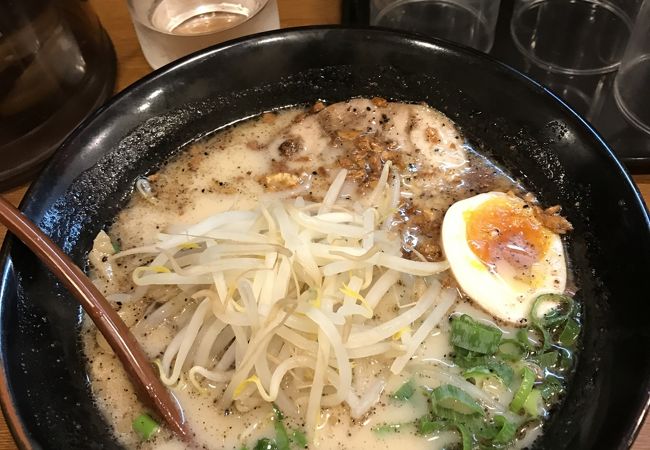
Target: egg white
{"x": 499, "y": 294}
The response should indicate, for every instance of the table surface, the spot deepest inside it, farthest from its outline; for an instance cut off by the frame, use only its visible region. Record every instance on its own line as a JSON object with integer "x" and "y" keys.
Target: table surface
{"x": 132, "y": 66}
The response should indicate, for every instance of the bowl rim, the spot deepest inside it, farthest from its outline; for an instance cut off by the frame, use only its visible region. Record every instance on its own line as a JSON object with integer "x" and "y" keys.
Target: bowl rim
{"x": 39, "y": 186}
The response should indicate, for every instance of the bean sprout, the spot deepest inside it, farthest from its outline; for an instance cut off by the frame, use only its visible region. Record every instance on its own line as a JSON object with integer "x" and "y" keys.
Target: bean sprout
{"x": 283, "y": 297}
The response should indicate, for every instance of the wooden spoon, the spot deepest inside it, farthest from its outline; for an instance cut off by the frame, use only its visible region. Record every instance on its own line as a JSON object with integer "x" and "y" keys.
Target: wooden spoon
{"x": 149, "y": 387}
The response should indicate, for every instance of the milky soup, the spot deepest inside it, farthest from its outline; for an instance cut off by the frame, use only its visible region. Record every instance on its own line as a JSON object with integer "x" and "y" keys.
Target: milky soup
{"x": 341, "y": 276}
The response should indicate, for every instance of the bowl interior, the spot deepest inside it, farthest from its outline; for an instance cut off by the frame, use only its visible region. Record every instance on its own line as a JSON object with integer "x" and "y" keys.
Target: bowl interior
{"x": 522, "y": 127}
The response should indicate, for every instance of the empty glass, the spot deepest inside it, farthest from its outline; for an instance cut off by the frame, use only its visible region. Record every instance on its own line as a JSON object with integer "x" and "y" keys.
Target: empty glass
{"x": 574, "y": 47}
{"x": 632, "y": 84}
{"x": 170, "y": 29}
{"x": 468, "y": 22}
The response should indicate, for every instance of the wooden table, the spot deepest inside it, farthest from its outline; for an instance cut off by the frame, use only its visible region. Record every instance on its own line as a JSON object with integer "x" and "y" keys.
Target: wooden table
{"x": 132, "y": 66}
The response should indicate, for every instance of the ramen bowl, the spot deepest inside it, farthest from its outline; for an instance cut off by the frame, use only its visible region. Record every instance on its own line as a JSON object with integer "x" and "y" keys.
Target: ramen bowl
{"x": 517, "y": 123}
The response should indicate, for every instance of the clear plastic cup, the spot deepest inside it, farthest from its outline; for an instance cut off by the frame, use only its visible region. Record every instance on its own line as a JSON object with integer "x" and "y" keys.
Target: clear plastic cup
{"x": 170, "y": 29}
{"x": 468, "y": 22}
{"x": 632, "y": 83}
{"x": 574, "y": 46}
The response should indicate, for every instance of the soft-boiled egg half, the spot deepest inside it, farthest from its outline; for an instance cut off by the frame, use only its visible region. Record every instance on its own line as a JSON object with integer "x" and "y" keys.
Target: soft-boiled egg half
{"x": 501, "y": 255}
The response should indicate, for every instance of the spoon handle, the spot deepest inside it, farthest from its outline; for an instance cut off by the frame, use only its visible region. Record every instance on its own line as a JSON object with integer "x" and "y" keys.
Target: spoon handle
{"x": 149, "y": 387}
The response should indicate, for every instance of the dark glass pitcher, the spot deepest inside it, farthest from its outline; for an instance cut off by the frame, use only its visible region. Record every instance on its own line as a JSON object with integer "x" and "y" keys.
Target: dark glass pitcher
{"x": 57, "y": 64}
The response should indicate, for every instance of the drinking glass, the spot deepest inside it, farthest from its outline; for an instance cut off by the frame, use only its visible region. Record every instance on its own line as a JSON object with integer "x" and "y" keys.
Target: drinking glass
{"x": 468, "y": 22}
{"x": 574, "y": 46}
{"x": 632, "y": 83}
{"x": 170, "y": 29}
{"x": 57, "y": 64}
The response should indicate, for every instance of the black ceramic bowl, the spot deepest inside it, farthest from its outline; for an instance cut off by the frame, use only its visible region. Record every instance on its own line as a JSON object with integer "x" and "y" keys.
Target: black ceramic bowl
{"x": 522, "y": 126}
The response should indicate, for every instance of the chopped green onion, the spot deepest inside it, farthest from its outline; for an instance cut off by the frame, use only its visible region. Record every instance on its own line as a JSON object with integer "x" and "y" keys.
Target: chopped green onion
{"x": 466, "y": 359}
{"x": 559, "y": 314}
{"x": 491, "y": 367}
{"x": 474, "y": 336}
{"x": 455, "y": 399}
{"x": 527, "y": 381}
{"x": 511, "y": 350}
{"x": 281, "y": 436}
{"x": 522, "y": 338}
{"x": 450, "y": 415}
{"x": 502, "y": 371}
{"x": 277, "y": 413}
{"x": 465, "y": 436}
{"x": 426, "y": 426}
{"x": 484, "y": 431}
{"x": 569, "y": 334}
{"x": 550, "y": 388}
{"x": 145, "y": 426}
{"x": 546, "y": 338}
{"x": 405, "y": 392}
{"x": 566, "y": 360}
{"x": 533, "y": 403}
{"x": 387, "y": 428}
{"x": 500, "y": 431}
{"x": 265, "y": 444}
{"x": 299, "y": 438}
{"x": 547, "y": 360}
{"x": 477, "y": 372}
{"x": 507, "y": 430}
{"x": 116, "y": 247}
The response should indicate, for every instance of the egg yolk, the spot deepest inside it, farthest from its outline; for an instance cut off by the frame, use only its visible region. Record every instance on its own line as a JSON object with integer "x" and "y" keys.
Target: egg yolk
{"x": 506, "y": 231}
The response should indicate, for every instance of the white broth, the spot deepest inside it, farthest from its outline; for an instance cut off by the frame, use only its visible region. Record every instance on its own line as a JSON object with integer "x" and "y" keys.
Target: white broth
{"x": 275, "y": 159}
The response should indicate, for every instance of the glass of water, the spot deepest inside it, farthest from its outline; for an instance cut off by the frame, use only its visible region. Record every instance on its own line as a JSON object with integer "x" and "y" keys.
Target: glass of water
{"x": 468, "y": 22}
{"x": 170, "y": 29}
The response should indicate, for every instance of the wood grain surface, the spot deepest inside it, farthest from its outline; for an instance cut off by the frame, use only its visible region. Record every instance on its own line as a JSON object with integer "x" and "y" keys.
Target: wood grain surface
{"x": 132, "y": 66}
